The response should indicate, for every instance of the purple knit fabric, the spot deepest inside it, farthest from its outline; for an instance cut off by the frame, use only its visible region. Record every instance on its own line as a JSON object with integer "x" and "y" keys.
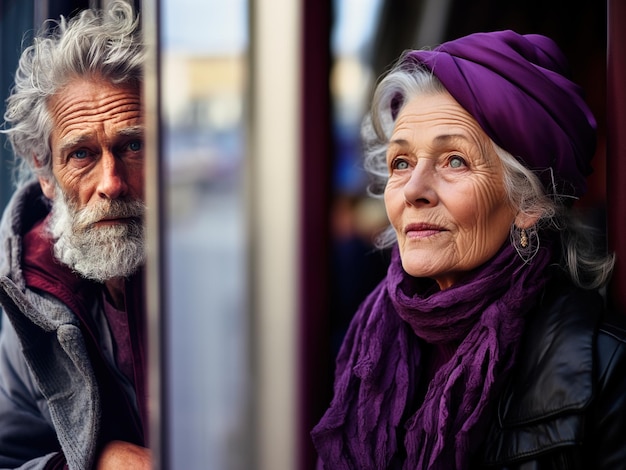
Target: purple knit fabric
{"x": 378, "y": 367}
{"x": 517, "y": 88}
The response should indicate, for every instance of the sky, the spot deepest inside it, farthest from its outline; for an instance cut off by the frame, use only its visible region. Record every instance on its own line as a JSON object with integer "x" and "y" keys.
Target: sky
{"x": 355, "y": 21}
{"x": 210, "y": 27}
{"x": 205, "y": 26}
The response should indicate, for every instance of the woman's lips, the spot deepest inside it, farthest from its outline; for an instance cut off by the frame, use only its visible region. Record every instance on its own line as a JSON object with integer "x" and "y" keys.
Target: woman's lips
{"x": 422, "y": 230}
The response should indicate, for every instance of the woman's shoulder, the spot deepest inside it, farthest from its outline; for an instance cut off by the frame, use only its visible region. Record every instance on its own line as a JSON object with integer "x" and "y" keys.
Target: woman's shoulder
{"x": 576, "y": 323}
{"x": 565, "y": 303}
{"x": 555, "y": 363}
{"x": 611, "y": 347}
{"x": 571, "y": 363}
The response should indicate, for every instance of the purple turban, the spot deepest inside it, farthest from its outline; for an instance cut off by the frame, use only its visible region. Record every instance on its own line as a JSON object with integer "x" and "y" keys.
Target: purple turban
{"x": 516, "y": 87}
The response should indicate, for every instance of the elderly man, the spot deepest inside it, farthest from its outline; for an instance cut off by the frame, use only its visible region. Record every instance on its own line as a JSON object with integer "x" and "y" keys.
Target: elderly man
{"x": 72, "y": 345}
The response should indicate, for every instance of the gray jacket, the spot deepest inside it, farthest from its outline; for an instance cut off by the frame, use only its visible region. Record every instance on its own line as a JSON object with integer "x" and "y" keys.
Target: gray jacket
{"x": 48, "y": 389}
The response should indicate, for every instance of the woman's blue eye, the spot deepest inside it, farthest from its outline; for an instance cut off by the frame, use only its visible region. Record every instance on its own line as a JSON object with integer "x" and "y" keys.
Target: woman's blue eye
{"x": 401, "y": 165}
{"x": 456, "y": 162}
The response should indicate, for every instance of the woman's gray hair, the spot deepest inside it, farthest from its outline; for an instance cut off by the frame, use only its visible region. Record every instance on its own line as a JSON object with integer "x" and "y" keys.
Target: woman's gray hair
{"x": 104, "y": 44}
{"x": 587, "y": 266}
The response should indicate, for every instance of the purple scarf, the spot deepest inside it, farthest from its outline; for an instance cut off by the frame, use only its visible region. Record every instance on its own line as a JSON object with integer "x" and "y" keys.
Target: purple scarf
{"x": 378, "y": 367}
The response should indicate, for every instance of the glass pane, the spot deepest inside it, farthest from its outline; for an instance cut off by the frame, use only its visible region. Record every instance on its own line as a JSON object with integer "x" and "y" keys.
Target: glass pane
{"x": 203, "y": 82}
{"x": 357, "y": 218}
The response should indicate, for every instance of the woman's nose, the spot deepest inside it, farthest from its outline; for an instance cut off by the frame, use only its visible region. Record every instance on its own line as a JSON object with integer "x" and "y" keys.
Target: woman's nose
{"x": 419, "y": 188}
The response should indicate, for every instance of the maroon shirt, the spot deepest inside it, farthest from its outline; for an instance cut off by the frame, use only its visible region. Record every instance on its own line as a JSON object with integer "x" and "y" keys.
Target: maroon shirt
{"x": 120, "y": 332}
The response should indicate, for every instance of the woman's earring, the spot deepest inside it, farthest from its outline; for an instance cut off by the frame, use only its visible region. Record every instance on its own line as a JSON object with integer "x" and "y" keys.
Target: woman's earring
{"x": 525, "y": 241}
{"x": 523, "y": 238}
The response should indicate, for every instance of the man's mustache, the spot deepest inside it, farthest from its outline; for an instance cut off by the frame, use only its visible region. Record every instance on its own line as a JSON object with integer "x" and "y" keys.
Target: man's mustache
{"x": 85, "y": 218}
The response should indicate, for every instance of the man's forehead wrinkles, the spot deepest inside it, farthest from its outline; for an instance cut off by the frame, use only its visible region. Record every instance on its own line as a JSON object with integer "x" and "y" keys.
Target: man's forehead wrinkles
{"x": 86, "y": 111}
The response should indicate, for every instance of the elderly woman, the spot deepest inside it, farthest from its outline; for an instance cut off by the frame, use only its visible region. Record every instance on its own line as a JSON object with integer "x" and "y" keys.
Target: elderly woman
{"x": 487, "y": 344}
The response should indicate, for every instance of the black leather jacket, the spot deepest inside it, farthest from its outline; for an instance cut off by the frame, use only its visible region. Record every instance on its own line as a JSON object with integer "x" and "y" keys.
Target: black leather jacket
{"x": 565, "y": 407}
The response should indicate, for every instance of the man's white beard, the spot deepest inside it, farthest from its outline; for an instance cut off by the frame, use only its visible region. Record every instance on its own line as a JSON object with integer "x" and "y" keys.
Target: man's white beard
{"x": 95, "y": 252}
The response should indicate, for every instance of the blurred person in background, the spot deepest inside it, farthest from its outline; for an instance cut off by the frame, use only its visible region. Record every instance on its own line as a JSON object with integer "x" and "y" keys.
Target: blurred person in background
{"x": 489, "y": 343}
{"x": 72, "y": 345}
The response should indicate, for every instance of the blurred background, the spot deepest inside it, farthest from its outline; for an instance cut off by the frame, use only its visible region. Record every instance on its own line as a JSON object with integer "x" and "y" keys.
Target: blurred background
{"x": 264, "y": 236}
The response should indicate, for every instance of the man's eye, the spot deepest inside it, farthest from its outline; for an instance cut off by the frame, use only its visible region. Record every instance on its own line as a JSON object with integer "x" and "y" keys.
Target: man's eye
{"x": 456, "y": 162}
{"x": 134, "y": 146}
{"x": 79, "y": 154}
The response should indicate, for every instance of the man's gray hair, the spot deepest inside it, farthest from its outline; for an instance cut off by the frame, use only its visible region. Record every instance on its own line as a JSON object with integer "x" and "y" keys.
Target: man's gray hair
{"x": 102, "y": 44}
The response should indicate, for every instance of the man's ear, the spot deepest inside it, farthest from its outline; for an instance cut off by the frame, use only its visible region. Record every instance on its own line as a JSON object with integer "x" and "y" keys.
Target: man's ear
{"x": 526, "y": 220}
{"x": 47, "y": 187}
{"x": 46, "y": 182}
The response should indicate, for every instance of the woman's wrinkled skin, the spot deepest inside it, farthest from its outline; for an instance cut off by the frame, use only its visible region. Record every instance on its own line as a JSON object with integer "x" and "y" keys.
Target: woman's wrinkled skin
{"x": 445, "y": 195}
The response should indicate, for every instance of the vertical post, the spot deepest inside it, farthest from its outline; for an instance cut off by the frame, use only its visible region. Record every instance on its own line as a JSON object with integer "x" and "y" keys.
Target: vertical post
{"x": 155, "y": 285}
{"x": 616, "y": 147}
{"x": 315, "y": 194}
{"x": 273, "y": 186}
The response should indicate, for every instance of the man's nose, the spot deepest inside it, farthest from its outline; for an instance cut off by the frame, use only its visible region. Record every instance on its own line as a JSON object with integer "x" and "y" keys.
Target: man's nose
{"x": 113, "y": 182}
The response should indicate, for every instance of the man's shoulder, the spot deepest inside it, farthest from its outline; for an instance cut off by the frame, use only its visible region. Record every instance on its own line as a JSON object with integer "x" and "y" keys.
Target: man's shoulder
{"x": 25, "y": 208}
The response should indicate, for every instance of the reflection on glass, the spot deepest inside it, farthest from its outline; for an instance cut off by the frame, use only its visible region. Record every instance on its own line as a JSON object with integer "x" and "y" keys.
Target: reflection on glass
{"x": 203, "y": 73}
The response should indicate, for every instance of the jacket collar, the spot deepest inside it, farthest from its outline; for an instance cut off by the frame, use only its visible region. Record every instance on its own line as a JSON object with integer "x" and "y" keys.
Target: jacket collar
{"x": 42, "y": 271}
{"x": 26, "y": 207}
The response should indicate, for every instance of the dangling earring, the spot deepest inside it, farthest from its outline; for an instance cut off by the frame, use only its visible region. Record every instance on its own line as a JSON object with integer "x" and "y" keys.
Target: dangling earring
{"x": 525, "y": 241}
{"x": 523, "y": 238}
